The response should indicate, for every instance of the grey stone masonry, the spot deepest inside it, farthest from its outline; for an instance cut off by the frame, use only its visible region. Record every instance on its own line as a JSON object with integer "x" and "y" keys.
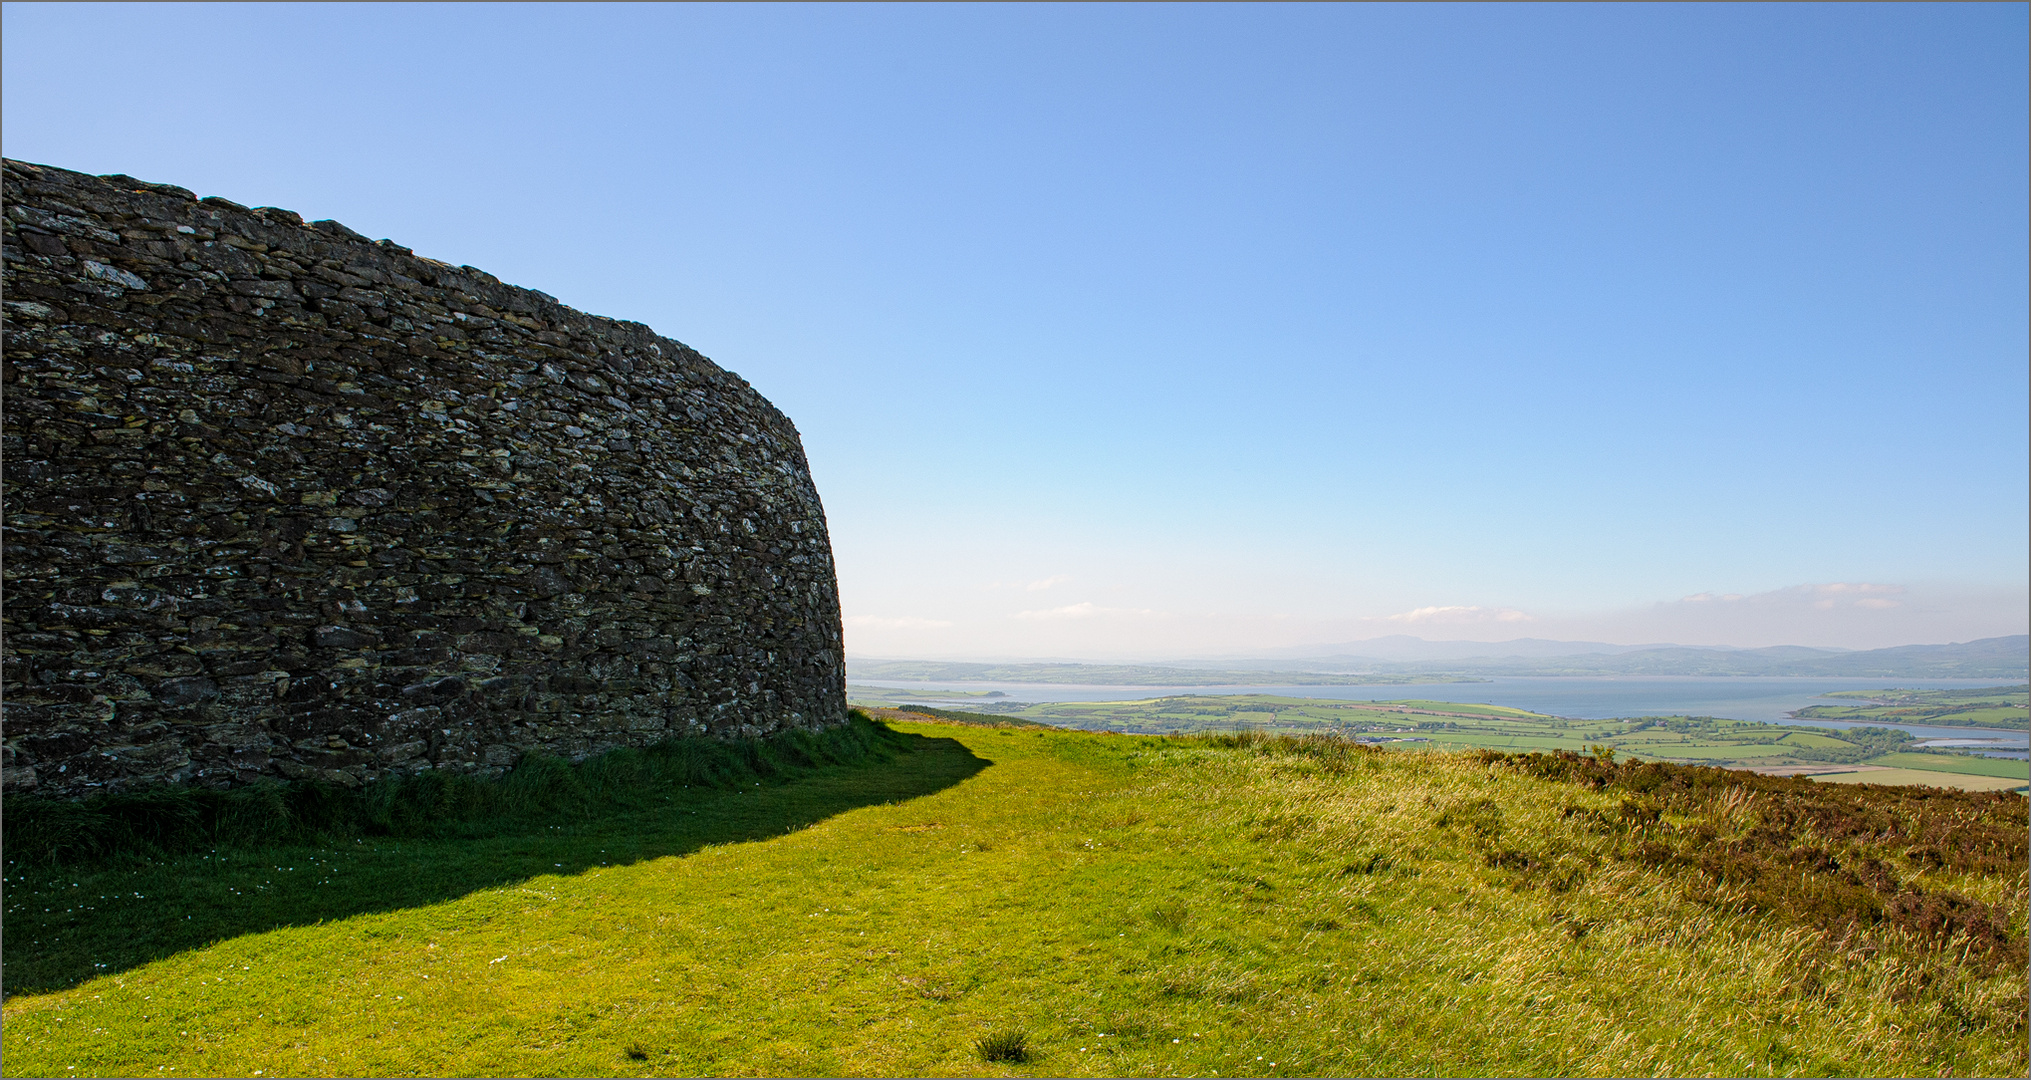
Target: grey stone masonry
{"x": 283, "y": 501}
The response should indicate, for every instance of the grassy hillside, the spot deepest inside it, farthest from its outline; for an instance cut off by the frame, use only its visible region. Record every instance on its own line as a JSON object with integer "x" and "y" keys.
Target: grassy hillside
{"x": 1189, "y": 714}
{"x": 1072, "y": 903}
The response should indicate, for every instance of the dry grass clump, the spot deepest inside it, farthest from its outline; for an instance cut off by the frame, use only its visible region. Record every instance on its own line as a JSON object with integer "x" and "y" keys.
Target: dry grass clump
{"x": 1011, "y": 1045}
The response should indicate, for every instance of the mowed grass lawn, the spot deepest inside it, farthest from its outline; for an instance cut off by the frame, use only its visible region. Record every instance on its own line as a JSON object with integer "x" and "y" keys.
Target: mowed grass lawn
{"x": 1131, "y": 905}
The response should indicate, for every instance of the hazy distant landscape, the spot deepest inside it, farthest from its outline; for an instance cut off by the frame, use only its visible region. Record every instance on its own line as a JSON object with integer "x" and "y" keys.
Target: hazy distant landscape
{"x": 1114, "y": 674}
{"x": 1948, "y": 734}
{"x": 1988, "y": 658}
{"x": 1895, "y": 737}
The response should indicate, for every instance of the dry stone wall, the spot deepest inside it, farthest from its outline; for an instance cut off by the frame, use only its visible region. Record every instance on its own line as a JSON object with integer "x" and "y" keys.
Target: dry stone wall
{"x": 282, "y": 501}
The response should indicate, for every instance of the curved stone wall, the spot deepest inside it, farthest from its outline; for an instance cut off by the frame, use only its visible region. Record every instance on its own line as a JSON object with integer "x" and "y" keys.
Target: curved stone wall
{"x": 283, "y": 501}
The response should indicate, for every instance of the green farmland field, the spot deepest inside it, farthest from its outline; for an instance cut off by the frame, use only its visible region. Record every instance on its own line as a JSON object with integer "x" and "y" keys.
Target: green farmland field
{"x": 1955, "y": 763}
{"x": 1925, "y": 777}
{"x": 1994, "y": 706}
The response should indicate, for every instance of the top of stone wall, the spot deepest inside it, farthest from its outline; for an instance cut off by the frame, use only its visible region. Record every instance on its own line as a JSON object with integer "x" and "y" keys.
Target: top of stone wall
{"x": 153, "y": 211}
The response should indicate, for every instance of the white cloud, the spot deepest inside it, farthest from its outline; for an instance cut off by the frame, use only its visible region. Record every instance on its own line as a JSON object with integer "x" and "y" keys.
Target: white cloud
{"x": 1041, "y": 584}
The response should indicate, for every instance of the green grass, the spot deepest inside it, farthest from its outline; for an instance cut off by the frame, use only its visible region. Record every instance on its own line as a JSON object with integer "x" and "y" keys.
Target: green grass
{"x": 1124, "y": 904}
{"x": 88, "y": 892}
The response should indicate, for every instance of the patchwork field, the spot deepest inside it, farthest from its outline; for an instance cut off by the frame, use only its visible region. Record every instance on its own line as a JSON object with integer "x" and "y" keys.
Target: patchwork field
{"x": 1014, "y": 900}
{"x": 1426, "y": 725}
{"x": 1993, "y": 706}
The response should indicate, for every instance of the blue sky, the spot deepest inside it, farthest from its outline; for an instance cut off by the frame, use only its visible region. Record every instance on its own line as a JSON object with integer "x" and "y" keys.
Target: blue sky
{"x": 1144, "y": 331}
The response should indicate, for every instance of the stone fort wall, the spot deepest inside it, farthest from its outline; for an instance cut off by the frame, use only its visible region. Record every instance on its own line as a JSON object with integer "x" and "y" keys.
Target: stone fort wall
{"x": 283, "y": 501}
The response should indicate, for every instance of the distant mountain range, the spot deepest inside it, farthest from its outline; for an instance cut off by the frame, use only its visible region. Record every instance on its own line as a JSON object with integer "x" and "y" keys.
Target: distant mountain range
{"x": 1407, "y": 659}
{"x": 1399, "y": 648}
{"x": 1987, "y": 658}
{"x": 1113, "y": 674}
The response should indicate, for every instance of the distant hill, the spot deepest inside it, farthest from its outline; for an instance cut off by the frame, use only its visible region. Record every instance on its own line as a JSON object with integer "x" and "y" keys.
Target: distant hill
{"x": 1987, "y": 658}
{"x": 1404, "y": 648}
{"x": 1114, "y": 674}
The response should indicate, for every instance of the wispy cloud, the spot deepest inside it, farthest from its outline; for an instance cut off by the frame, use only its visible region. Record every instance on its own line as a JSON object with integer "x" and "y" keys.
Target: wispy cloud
{"x": 1826, "y": 596}
{"x": 907, "y": 622}
{"x": 1859, "y": 594}
{"x": 1861, "y": 615}
{"x": 1086, "y": 609}
{"x": 1039, "y": 585}
{"x": 1457, "y": 614}
{"x": 1844, "y": 614}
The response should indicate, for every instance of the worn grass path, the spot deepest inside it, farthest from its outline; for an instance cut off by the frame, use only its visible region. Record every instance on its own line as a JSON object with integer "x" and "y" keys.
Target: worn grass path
{"x": 1134, "y": 905}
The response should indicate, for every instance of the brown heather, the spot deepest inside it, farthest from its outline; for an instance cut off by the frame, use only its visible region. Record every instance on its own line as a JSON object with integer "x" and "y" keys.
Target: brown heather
{"x": 1837, "y": 857}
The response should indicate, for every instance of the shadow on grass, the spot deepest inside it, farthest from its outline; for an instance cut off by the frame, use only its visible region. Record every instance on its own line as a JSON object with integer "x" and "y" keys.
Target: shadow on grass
{"x": 66, "y": 924}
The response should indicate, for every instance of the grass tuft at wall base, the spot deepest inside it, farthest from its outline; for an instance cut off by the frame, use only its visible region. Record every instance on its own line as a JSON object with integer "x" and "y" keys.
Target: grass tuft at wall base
{"x": 161, "y": 821}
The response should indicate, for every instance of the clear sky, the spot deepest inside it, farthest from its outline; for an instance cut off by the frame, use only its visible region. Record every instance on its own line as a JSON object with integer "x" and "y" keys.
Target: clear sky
{"x": 1146, "y": 331}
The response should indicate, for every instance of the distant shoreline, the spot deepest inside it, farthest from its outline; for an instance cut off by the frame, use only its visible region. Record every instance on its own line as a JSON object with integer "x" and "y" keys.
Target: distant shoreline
{"x": 1764, "y": 699}
{"x": 1996, "y": 660}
